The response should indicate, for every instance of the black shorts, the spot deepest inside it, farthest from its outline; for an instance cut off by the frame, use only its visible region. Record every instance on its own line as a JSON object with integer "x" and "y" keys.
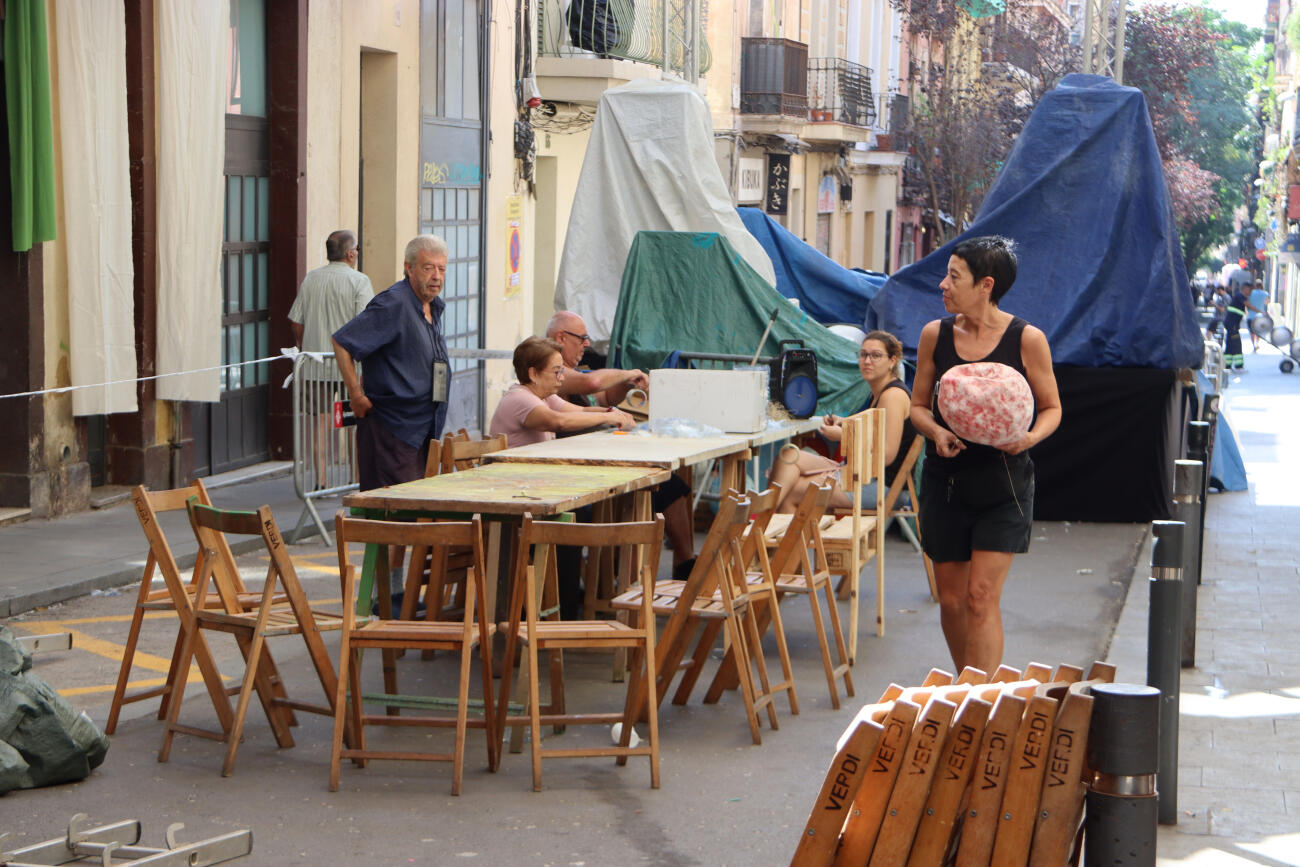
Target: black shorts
{"x": 383, "y": 459}
{"x": 983, "y": 508}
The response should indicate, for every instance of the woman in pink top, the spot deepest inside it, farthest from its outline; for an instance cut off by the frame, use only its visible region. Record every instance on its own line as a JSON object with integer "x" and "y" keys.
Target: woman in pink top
{"x": 532, "y": 411}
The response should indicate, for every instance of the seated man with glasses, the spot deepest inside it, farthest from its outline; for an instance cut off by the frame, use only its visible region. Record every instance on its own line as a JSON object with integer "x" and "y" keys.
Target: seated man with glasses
{"x": 795, "y": 469}
{"x": 605, "y": 387}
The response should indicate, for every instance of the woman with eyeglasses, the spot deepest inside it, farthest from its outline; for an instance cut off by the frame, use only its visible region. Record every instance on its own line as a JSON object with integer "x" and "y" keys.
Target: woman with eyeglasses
{"x": 795, "y": 469}
{"x": 532, "y": 411}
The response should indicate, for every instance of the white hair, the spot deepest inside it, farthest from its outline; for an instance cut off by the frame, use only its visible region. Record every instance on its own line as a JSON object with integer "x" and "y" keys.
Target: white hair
{"x": 424, "y": 244}
{"x": 553, "y": 327}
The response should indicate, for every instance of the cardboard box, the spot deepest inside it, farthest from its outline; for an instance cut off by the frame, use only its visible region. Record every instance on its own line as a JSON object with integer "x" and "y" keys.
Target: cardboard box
{"x": 734, "y": 401}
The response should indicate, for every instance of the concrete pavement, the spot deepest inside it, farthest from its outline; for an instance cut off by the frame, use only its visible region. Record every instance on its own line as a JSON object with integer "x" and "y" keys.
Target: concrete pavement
{"x": 1080, "y": 585}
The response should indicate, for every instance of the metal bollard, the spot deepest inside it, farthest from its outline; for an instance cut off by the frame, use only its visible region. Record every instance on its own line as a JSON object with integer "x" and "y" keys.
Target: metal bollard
{"x": 1199, "y": 437}
{"x": 1164, "y": 637}
{"x": 1187, "y": 508}
{"x": 1120, "y": 823}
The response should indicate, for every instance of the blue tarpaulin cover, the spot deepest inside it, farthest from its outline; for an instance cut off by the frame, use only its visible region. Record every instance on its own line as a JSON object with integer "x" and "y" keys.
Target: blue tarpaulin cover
{"x": 1101, "y": 272}
{"x": 829, "y": 292}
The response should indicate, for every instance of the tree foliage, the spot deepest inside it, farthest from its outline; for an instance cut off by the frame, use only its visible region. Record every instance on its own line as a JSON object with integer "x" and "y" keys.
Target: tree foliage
{"x": 973, "y": 91}
{"x": 1197, "y": 71}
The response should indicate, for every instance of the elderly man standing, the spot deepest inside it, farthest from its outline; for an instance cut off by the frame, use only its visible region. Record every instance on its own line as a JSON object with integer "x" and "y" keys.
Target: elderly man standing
{"x": 403, "y": 401}
{"x": 606, "y": 387}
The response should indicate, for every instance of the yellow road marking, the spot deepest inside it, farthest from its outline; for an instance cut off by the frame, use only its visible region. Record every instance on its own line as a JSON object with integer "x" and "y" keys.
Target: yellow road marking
{"x": 195, "y": 677}
{"x": 98, "y": 646}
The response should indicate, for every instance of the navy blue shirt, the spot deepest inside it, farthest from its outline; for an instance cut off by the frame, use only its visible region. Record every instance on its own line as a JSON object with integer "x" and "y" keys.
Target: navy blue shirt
{"x": 399, "y": 346}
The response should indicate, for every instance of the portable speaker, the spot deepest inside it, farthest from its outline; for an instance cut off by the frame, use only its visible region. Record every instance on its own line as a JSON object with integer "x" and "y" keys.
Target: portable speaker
{"x": 794, "y": 379}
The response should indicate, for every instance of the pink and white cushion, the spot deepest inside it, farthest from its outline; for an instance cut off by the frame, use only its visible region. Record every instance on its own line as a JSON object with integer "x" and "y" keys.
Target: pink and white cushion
{"x": 986, "y": 402}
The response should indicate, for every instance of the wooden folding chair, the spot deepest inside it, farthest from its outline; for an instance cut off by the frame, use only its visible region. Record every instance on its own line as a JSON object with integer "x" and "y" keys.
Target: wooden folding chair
{"x": 894, "y": 511}
{"x": 851, "y": 539}
{"x": 751, "y": 560}
{"x": 462, "y": 454}
{"x": 175, "y": 595}
{"x": 799, "y": 566}
{"x": 387, "y": 635}
{"x": 640, "y": 542}
{"x": 712, "y": 594}
{"x": 252, "y": 628}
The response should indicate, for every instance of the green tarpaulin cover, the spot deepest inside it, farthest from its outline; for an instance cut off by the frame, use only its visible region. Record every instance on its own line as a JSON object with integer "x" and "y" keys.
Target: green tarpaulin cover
{"x": 31, "y": 134}
{"x": 693, "y": 292}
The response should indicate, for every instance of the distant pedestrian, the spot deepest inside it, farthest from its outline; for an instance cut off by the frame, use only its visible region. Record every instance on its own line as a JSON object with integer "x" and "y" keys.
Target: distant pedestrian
{"x": 977, "y": 501}
{"x": 1233, "y": 358}
{"x": 330, "y": 295}
{"x": 1256, "y": 306}
{"x": 1219, "y": 306}
{"x": 328, "y": 298}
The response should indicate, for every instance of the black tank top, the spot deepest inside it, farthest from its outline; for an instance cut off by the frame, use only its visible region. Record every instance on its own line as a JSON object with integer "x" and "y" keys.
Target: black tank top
{"x": 945, "y": 358}
{"x": 909, "y": 432}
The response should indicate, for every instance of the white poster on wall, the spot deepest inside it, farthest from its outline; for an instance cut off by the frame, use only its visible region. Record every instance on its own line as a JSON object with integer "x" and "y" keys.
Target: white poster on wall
{"x": 749, "y": 186}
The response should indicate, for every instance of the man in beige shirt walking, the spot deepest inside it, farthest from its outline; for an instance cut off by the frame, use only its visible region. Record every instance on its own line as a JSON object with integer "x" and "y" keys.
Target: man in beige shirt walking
{"x": 330, "y": 297}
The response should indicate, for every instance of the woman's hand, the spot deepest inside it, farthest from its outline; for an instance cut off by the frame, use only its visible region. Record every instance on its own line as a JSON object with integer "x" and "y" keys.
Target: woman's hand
{"x": 947, "y": 444}
{"x": 832, "y": 431}
{"x": 620, "y": 418}
{"x": 1025, "y": 443}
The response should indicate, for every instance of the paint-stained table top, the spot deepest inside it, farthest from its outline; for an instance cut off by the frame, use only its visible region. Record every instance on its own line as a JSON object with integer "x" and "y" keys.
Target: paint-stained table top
{"x": 606, "y": 448}
{"x": 511, "y": 488}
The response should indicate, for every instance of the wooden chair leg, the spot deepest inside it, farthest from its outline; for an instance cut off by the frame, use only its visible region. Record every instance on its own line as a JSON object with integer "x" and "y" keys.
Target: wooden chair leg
{"x": 462, "y": 719}
{"x": 251, "y": 676}
{"x": 356, "y": 708}
{"x": 178, "y": 695}
{"x": 819, "y": 625}
{"x": 340, "y": 712}
{"x": 756, "y": 646}
{"x": 746, "y": 679}
{"x": 708, "y": 638}
{"x": 844, "y": 650}
{"x": 534, "y": 713}
{"x": 124, "y": 672}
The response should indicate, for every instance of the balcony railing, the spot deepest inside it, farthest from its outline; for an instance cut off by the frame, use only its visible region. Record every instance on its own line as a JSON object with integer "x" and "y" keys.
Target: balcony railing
{"x": 896, "y": 109}
{"x": 840, "y": 91}
{"x": 665, "y": 33}
{"x": 773, "y": 77}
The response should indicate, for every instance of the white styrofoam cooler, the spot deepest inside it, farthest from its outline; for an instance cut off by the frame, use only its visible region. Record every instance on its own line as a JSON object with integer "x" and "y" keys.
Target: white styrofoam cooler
{"x": 733, "y": 400}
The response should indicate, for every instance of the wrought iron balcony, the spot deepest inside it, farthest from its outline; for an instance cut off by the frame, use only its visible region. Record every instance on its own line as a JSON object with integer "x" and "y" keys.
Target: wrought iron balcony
{"x": 840, "y": 91}
{"x": 665, "y": 33}
{"x": 773, "y": 77}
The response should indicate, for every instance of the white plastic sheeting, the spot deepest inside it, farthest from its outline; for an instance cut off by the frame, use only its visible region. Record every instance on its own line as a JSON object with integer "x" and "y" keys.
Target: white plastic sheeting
{"x": 649, "y": 165}
{"x": 91, "y": 39}
{"x": 193, "y": 40}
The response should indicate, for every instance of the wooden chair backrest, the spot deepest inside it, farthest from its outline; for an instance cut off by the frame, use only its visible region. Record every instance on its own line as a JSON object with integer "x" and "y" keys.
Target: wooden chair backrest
{"x": 904, "y": 473}
{"x": 636, "y": 542}
{"x": 433, "y": 463}
{"x": 360, "y": 531}
{"x": 864, "y": 450}
{"x": 211, "y": 525}
{"x": 460, "y": 454}
{"x": 148, "y": 505}
{"x": 798, "y": 533}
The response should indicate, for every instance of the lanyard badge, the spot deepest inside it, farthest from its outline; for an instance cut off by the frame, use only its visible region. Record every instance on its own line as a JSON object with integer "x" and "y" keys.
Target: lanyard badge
{"x": 441, "y": 381}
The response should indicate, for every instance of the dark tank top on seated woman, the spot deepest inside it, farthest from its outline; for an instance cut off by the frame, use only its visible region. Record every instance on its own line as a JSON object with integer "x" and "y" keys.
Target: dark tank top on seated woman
{"x": 945, "y": 358}
{"x": 905, "y": 440}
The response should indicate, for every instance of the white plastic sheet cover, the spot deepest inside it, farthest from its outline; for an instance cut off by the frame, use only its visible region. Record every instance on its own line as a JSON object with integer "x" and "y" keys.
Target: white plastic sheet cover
{"x": 649, "y": 165}
{"x": 90, "y": 36}
{"x": 192, "y": 45}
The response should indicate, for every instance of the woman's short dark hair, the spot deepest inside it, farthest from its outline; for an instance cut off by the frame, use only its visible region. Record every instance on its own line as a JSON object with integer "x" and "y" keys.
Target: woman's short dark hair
{"x": 532, "y": 355}
{"x": 893, "y": 346}
{"x": 990, "y": 256}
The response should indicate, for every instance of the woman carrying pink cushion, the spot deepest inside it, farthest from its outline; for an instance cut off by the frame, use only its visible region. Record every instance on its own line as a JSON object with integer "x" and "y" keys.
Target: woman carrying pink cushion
{"x": 977, "y": 501}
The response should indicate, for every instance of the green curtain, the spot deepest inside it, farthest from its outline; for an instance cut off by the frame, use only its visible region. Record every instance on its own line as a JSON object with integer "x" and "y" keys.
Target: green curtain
{"x": 31, "y": 135}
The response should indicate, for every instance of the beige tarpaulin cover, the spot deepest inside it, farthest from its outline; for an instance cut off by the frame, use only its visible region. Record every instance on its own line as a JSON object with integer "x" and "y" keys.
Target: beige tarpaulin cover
{"x": 649, "y": 165}
{"x": 90, "y": 36}
{"x": 193, "y": 41}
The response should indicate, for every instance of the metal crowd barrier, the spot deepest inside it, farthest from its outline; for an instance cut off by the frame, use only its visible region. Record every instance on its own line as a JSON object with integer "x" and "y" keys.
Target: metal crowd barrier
{"x": 324, "y": 452}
